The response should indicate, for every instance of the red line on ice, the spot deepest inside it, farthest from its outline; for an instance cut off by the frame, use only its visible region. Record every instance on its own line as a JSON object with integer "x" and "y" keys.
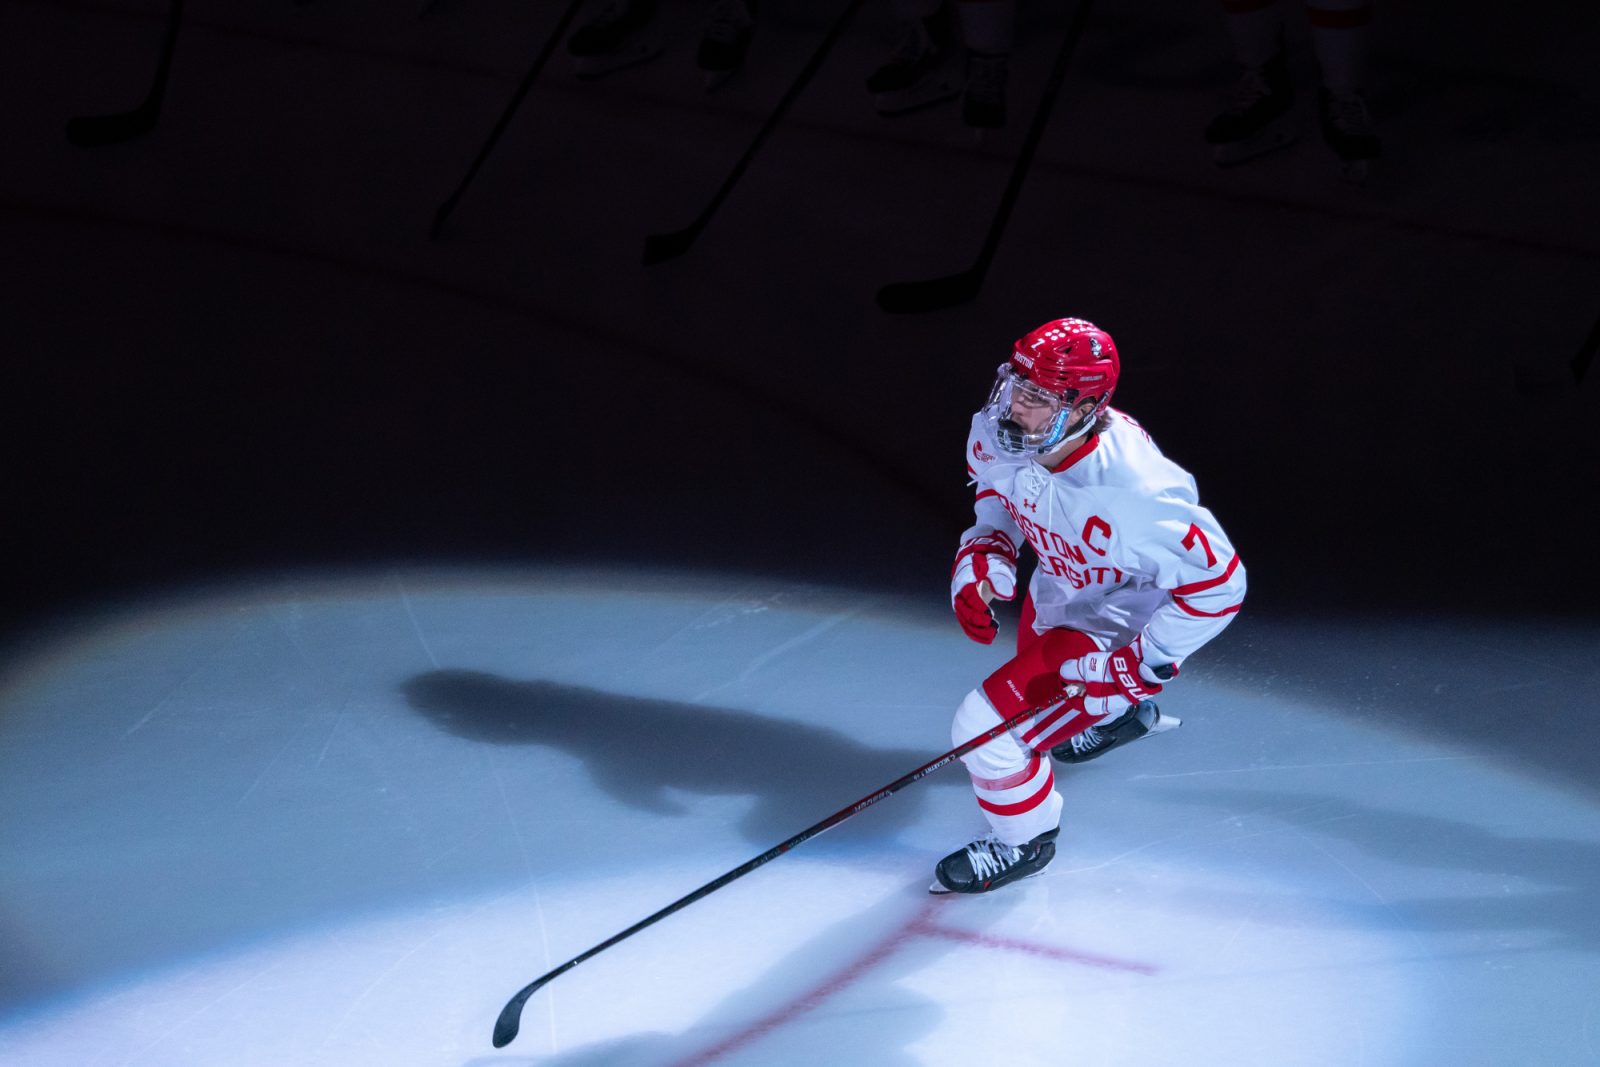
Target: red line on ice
{"x": 919, "y": 925}
{"x": 808, "y": 1001}
{"x": 1027, "y": 947}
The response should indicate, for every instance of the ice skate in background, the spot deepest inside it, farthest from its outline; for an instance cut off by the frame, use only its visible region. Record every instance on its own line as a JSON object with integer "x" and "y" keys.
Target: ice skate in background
{"x": 988, "y": 29}
{"x": 946, "y": 49}
{"x": 1259, "y": 116}
{"x": 1347, "y": 129}
{"x": 622, "y": 33}
{"x": 983, "y": 95}
{"x": 725, "y": 40}
{"x": 924, "y": 67}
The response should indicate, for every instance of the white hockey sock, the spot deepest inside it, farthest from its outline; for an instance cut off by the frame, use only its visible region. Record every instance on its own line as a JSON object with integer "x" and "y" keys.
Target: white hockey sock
{"x": 906, "y": 10}
{"x": 988, "y": 26}
{"x": 1340, "y": 34}
{"x": 1256, "y": 27}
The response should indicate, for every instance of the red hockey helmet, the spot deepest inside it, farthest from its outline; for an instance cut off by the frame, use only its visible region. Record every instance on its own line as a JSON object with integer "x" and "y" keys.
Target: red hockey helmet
{"x": 1069, "y": 356}
{"x": 1055, "y": 366}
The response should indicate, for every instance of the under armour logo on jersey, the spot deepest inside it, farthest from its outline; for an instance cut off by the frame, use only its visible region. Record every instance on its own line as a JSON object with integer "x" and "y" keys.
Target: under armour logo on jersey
{"x": 1031, "y": 505}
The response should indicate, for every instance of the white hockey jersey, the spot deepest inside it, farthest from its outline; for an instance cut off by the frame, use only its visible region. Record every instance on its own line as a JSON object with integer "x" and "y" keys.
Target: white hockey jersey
{"x": 1123, "y": 545}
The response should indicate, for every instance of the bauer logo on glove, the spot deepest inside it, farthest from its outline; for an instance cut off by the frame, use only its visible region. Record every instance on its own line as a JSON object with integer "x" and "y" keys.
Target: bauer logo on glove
{"x": 1117, "y": 680}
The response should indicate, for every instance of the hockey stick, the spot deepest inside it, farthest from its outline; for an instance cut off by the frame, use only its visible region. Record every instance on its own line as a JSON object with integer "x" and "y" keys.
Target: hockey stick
{"x": 94, "y": 131}
{"x": 1580, "y": 362}
{"x": 1535, "y": 375}
{"x": 454, "y": 198}
{"x": 510, "y": 1020}
{"x": 952, "y": 289}
{"x": 659, "y": 247}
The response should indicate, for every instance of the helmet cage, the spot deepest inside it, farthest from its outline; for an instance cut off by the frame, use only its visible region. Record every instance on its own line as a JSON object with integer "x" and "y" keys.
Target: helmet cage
{"x": 1013, "y": 391}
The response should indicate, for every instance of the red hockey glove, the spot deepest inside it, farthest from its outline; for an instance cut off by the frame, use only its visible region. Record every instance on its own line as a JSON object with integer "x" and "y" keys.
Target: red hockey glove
{"x": 1117, "y": 680}
{"x": 990, "y": 558}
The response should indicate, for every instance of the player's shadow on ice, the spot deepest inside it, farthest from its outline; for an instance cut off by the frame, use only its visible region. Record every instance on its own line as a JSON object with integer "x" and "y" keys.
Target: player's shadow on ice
{"x": 639, "y": 750}
{"x": 1492, "y": 882}
{"x": 849, "y": 987}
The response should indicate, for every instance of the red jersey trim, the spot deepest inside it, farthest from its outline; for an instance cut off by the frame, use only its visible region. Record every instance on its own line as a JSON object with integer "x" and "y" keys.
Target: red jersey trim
{"x": 1205, "y": 614}
{"x": 1197, "y": 587}
{"x": 1082, "y": 450}
{"x": 987, "y": 493}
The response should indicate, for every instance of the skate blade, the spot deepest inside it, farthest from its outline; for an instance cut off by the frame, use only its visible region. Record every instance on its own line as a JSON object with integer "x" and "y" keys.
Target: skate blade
{"x": 937, "y": 888}
{"x": 1164, "y": 723}
{"x": 589, "y": 67}
{"x": 1271, "y": 140}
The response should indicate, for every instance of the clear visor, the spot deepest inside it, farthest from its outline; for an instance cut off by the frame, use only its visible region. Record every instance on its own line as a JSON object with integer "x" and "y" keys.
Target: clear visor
{"x": 1024, "y": 417}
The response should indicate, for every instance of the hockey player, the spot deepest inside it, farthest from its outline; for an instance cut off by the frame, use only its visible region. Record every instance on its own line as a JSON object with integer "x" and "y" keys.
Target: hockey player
{"x": 1132, "y": 576}
{"x": 1259, "y": 116}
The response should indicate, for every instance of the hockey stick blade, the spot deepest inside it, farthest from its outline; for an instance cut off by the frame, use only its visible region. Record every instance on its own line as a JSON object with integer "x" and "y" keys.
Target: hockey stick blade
{"x": 508, "y": 1022}
{"x": 97, "y": 131}
{"x": 934, "y": 294}
{"x": 1585, "y": 358}
{"x": 440, "y": 214}
{"x": 660, "y": 247}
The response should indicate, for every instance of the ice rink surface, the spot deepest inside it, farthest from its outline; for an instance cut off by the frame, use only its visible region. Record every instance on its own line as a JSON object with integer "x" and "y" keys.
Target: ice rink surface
{"x": 341, "y": 820}
{"x": 290, "y": 775}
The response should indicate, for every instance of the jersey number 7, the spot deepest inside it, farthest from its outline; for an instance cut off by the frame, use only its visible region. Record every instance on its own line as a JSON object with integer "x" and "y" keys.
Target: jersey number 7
{"x": 1197, "y": 534}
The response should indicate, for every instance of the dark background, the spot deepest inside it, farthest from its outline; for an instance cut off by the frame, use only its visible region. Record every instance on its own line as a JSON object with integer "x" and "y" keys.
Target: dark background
{"x": 232, "y": 350}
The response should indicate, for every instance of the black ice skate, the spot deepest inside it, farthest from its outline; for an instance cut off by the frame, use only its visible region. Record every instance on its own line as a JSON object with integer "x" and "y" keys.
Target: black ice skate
{"x": 725, "y": 40}
{"x": 1141, "y": 719}
{"x": 1258, "y": 117}
{"x": 983, "y": 102}
{"x": 1347, "y": 129}
{"x": 621, "y": 35}
{"x": 988, "y": 863}
{"x": 922, "y": 70}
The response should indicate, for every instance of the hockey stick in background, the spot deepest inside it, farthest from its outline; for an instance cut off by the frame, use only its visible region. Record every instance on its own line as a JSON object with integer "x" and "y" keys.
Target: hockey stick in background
{"x": 659, "y": 247}
{"x": 454, "y": 198}
{"x": 510, "y": 1020}
{"x": 1580, "y": 362}
{"x": 93, "y": 131}
{"x": 1534, "y": 374}
{"x": 952, "y": 289}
